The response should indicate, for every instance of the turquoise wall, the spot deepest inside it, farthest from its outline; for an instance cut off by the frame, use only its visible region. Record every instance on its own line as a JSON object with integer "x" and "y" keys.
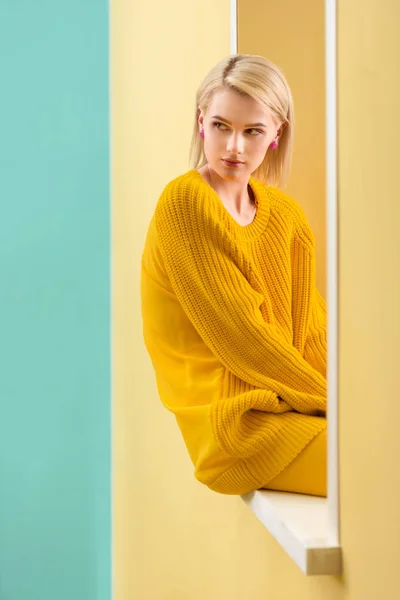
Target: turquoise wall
{"x": 55, "y": 540}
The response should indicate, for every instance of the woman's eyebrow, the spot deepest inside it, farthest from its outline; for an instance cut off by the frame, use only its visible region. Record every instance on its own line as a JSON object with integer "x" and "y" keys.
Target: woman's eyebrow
{"x": 248, "y": 125}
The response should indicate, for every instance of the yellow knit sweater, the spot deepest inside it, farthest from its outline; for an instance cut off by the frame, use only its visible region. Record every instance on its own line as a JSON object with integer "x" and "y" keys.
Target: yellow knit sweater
{"x": 236, "y": 330}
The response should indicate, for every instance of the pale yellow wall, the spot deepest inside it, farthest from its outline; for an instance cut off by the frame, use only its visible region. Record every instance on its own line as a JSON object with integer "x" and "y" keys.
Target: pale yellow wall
{"x": 291, "y": 34}
{"x": 174, "y": 539}
{"x": 369, "y": 157}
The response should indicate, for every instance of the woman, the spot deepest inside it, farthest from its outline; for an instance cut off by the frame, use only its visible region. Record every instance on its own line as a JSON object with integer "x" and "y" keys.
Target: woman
{"x": 232, "y": 320}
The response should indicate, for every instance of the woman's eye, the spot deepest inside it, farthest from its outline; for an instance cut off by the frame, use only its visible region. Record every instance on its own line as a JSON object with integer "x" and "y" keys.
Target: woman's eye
{"x": 254, "y": 131}
{"x": 219, "y": 125}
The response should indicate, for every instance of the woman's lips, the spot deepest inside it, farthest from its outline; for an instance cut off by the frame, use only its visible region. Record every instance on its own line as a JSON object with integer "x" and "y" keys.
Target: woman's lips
{"x": 231, "y": 164}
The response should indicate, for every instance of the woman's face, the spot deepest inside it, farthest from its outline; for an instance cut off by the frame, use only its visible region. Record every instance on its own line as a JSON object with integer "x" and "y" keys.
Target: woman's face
{"x": 236, "y": 128}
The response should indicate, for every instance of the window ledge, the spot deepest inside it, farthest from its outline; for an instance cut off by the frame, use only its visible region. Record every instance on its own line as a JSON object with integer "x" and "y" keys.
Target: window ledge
{"x": 300, "y": 524}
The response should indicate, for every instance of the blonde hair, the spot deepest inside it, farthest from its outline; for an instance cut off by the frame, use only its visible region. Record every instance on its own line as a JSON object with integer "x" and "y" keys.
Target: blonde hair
{"x": 262, "y": 80}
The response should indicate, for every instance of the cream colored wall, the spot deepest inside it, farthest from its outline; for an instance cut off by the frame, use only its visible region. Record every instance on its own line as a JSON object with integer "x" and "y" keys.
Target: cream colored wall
{"x": 369, "y": 133}
{"x": 291, "y": 34}
{"x": 173, "y": 539}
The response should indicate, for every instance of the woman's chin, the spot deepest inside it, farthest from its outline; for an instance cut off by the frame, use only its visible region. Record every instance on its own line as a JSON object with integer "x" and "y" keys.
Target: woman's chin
{"x": 228, "y": 174}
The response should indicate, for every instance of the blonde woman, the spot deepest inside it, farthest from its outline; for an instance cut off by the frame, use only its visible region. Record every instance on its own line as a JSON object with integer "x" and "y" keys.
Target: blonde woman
{"x": 232, "y": 320}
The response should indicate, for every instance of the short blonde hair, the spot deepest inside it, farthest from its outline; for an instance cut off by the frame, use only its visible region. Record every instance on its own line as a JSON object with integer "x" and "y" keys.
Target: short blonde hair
{"x": 262, "y": 80}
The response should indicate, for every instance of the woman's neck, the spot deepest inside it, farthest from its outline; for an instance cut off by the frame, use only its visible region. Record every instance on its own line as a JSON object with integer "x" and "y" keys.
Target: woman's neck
{"x": 236, "y": 196}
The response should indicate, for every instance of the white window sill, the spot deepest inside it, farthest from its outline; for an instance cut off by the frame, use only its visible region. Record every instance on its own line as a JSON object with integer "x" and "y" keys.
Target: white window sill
{"x": 300, "y": 524}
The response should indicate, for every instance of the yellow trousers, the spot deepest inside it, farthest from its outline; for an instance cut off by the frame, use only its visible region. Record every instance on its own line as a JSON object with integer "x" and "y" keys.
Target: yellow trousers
{"x": 306, "y": 474}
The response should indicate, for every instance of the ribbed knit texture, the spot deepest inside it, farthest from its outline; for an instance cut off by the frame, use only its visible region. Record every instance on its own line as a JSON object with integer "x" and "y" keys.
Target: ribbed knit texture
{"x": 236, "y": 330}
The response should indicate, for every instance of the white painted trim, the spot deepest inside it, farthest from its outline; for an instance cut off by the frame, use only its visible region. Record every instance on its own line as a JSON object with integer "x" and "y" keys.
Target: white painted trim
{"x": 233, "y": 27}
{"x": 332, "y": 267}
{"x": 300, "y": 524}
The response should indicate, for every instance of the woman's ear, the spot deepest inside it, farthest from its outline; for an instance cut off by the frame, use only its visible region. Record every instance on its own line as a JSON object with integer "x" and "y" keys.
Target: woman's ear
{"x": 280, "y": 131}
{"x": 200, "y": 117}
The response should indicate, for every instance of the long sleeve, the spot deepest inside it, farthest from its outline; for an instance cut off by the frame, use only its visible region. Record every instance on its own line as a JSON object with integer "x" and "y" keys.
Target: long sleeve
{"x": 309, "y": 317}
{"x": 315, "y": 350}
{"x": 206, "y": 270}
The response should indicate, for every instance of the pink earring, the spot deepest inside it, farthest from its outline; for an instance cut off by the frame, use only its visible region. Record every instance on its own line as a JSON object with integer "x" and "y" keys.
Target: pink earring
{"x": 202, "y": 134}
{"x": 274, "y": 145}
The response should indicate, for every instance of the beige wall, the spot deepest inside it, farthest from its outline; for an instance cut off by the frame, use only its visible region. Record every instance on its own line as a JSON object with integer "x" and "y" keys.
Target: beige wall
{"x": 175, "y": 540}
{"x": 369, "y": 132}
{"x": 291, "y": 34}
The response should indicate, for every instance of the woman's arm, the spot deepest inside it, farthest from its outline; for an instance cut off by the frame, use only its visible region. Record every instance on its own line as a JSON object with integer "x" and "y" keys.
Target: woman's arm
{"x": 315, "y": 349}
{"x": 204, "y": 272}
{"x": 309, "y": 321}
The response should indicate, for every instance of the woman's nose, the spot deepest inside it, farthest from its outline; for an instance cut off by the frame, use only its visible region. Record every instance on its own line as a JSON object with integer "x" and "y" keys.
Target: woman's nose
{"x": 235, "y": 143}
